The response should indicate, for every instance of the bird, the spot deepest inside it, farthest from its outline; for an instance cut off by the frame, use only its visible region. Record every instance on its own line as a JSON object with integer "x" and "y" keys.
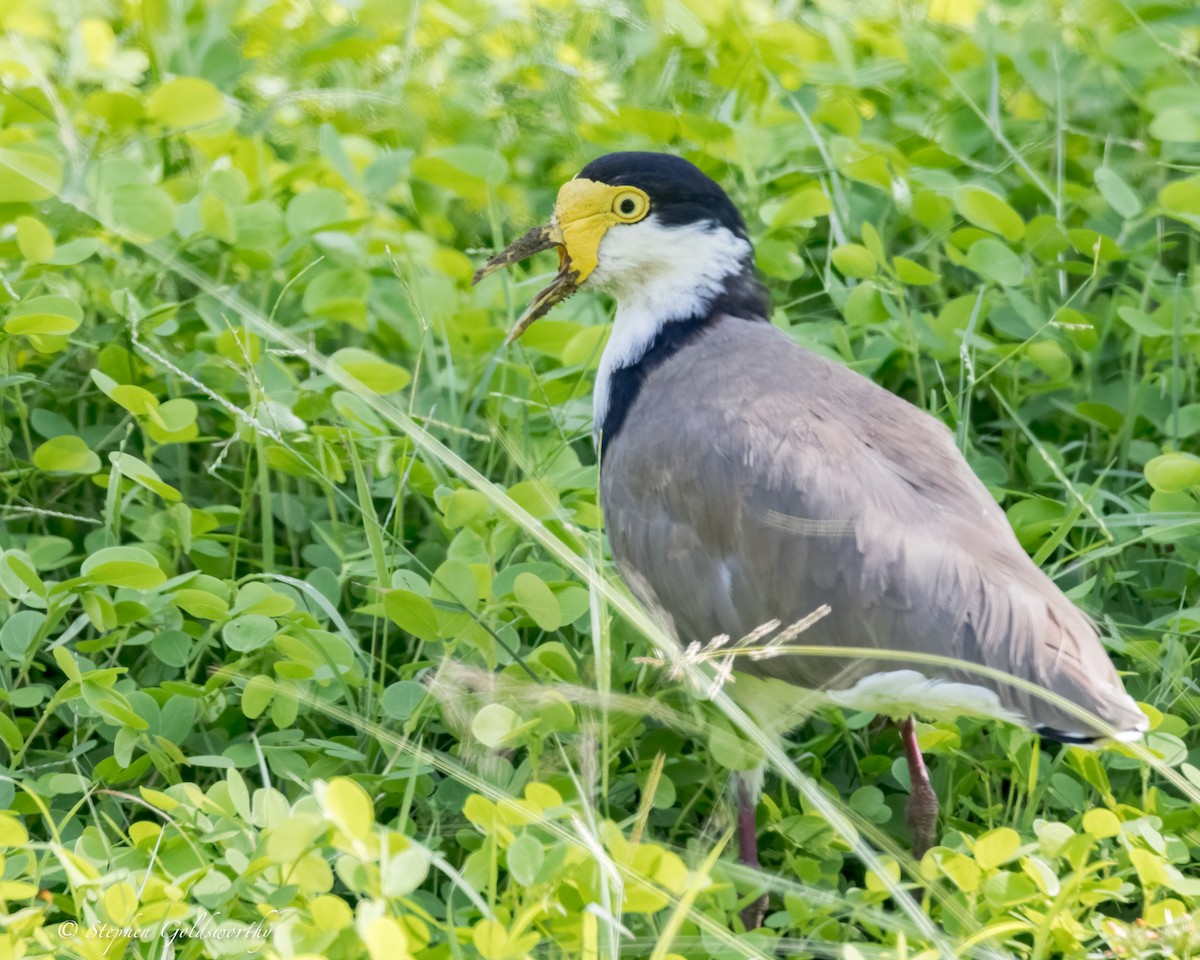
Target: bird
{"x": 746, "y": 480}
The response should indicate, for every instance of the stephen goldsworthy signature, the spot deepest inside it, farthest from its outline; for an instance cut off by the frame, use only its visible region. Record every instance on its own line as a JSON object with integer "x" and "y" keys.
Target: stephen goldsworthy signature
{"x": 206, "y": 926}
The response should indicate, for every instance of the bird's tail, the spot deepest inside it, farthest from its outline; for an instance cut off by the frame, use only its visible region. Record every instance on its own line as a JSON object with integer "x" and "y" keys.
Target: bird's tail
{"x": 1067, "y": 658}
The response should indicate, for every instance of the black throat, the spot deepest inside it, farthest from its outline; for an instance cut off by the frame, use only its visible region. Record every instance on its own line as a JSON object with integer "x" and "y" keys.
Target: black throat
{"x": 743, "y": 298}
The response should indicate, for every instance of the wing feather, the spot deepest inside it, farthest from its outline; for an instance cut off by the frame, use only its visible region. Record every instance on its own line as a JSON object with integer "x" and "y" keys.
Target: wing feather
{"x": 755, "y": 480}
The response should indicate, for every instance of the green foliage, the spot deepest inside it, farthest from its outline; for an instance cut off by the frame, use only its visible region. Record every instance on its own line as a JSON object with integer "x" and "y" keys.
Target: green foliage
{"x": 307, "y": 632}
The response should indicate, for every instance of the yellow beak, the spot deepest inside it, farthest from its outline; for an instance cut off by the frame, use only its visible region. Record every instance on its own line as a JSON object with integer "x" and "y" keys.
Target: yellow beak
{"x": 584, "y": 211}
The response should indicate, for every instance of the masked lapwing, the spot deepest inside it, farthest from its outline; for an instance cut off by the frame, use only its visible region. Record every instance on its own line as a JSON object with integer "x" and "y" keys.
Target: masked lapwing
{"x": 745, "y": 479}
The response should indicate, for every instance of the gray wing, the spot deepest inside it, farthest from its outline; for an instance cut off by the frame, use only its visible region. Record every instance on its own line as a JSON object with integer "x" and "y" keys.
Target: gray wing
{"x": 755, "y": 481}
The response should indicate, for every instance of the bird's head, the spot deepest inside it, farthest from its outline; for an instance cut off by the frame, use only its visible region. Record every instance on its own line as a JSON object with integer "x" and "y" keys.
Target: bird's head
{"x": 644, "y": 225}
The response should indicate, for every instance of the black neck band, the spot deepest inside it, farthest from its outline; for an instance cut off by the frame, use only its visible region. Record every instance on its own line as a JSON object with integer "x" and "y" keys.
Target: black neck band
{"x": 743, "y": 298}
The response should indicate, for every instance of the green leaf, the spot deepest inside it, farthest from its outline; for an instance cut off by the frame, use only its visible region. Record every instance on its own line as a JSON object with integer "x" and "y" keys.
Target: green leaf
{"x": 142, "y": 212}
{"x": 864, "y": 306}
{"x": 290, "y": 838}
{"x": 123, "y": 567}
{"x": 385, "y": 939}
{"x": 262, "y": 599}
{"x": 1186, "y": 423}
{"x": 931, "y": 209}
{"x": 25, "y": 698}
{"x": 491, "y": 940}
{"x": 1101, "y": 824}
{"x": 1177, "y": 124}
{"x": 217, "y": 219}
{"x": 401, "y": 698}
{"x": 1044, "y": 238}
{"x": 348, "y": 806}
{"x": 10, "y": 734}
{"x": 185, "y": 103}
{"x": 339, "y": 294}
{"x": 28, "y": 173}
{"x": 333, "y": 151}
{"x": 1181, "y": 199}
{"x": 798, "y": 209}
{"x": 114, "y": 707}
{"x": 66, "y": 454}
{"x": 12, "y": 831}
{"x": 137, "y": 400}
{"x": 1173, "y": 472}
{"x": 17, "y": 575}
{"x": 172, "y": 647}
{"x": 1050, "y": 358}
{"x": 374, "y": 373}
{"x": 962, "y": 871}
{"x": 854, "y": 260}
{"x": 1053, "y": 837}
{"x": 66, "y": 663}
{"x": 468, "y": 170}
{"x": 405, "y": 872}
{"x": 464, "y": 506}
{"x": 1094, "y": 245}
{"x": 44, "y": 315}
{"x": 1004, "y": 890}
{"x": 19, "y": 632}
{"x": 483, "y": 813}
{"x": 912, "y": 273}
{"x": 525, "y": 857}
{"x": 68, "y": 783}
{"x": 249, "y": 632}
{"x": 35, "y": 242}
{"x": 873, "y": 242}
{"x": 257, "y": 695}
{"x": 314, "y": 210}
{"x": 74, "y": 251}
{"x": 996, "y": 847}
{"x": 538, "y": 498}
{"x": 984, "y": 209}
{"x": 200, "y": 604}
{"x": 730, "y": 751}
{"x": 230, "y": 184}
{"x": 494, "y": 724}
{"x": 1151, "y": 868}
{"x": 1119, "y": 195}
{"x": 455, "y": 581}
{"x": 538, "y": 601}
{"x": 870, "y": 803}
{"x": 144, "y": 475}
{"x": 413, "y": 613}
{"x": 776, "y": 256}
{"x": 177, "y": 414}
{"x": 992, "y": 260}
{"x": 1143, "y": 323}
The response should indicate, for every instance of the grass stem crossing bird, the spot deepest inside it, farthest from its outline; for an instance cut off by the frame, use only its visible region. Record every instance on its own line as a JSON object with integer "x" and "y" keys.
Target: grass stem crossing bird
{"x": 745, "y": 479}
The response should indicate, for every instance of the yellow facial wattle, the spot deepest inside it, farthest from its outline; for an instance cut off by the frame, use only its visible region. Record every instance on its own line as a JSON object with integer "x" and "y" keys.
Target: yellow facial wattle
{"x": 583, "y": 213}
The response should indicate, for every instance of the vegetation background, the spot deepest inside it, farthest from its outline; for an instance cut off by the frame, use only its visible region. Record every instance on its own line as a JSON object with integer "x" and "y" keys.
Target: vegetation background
{"x": 307, "y": 617}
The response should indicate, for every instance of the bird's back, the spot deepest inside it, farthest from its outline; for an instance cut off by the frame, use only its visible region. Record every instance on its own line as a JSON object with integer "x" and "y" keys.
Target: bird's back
{"x": 754, "y": 480}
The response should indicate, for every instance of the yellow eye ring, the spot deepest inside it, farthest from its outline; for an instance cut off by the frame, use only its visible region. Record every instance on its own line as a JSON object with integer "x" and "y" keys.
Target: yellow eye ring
{"x": 630, "y": 205}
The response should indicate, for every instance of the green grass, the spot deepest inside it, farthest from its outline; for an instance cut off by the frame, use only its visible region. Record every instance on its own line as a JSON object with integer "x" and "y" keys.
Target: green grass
{"x": 308, "y": 632}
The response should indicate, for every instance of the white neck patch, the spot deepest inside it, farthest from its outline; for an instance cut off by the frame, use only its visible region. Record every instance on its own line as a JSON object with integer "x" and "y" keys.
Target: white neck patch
{"x": 658, "y": 274}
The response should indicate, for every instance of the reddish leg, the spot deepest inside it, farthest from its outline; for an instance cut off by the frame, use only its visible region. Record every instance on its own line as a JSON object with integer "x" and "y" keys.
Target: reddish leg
{"x": 747, "y": 802}
{"x": 921, "y": 811}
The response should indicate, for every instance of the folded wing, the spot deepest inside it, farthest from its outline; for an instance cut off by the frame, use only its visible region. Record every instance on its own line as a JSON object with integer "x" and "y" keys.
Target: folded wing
{"x": 757, "y": 481}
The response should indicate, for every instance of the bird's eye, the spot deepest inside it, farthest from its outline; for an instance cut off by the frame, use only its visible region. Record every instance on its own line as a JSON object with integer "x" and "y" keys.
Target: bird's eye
{"x": 630, "y": 205}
